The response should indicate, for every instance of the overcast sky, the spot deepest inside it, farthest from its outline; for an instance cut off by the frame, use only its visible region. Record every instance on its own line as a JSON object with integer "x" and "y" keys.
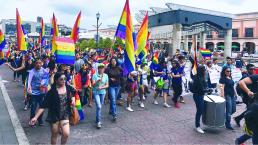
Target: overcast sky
{"x": 110, "y": 10}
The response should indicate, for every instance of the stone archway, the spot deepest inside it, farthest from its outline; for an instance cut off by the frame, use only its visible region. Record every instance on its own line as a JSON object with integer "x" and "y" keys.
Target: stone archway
{"x": 249, "y": 47}
{"x": 220, "y": 46}
{"x": 235, "y": 47}
{"x": 210, "y": 46}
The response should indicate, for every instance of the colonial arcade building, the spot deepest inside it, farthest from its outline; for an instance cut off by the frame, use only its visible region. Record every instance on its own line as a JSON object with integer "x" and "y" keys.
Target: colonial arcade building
{"x": 174, "y": 27}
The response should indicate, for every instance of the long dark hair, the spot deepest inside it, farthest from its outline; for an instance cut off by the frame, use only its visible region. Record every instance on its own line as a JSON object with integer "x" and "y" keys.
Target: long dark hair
{"x": 222, "y": 74}
{"x": 56, "y": 77}
{"x": 110, "y": 62}
{"x": 201, "y": 72}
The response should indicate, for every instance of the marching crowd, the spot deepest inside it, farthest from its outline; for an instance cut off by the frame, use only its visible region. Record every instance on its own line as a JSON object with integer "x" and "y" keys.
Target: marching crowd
{"x": 99, "y": 77}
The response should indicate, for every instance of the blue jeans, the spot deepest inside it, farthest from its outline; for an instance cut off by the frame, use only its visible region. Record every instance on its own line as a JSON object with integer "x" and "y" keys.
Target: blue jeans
{"x": 243, "y": 139}
{"x": 36, "y": 100}
{"x": 255, "y": 137}
{"x": 199, "y": 102}
{"x": 113, "y": 94}
{"x": 230, "y": 109}
{"x": 99, "y": 100}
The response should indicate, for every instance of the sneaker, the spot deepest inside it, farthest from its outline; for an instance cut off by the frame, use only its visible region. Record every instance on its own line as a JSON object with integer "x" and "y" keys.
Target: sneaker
{"x": 230, "y": 128}
{"x": 155, "y": 102}
{"x": 237, "y": 121}
{"x": 143, "y": 98}
{"x": 199, "y": 130}
{"x": 25, "y": 108}
{"x": 141, "y": 105}
{"x": 129, "y": 109}
{"x": 177, "y": 105}
{"x": 166, "y": 105}
{"x": 182, "y": 100}
{"x": 114, "y": 119}
{"x": 98, "y": 125}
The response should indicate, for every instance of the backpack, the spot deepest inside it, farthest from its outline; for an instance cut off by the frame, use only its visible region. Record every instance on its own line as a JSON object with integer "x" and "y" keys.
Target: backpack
{"x": 160, "y": 83}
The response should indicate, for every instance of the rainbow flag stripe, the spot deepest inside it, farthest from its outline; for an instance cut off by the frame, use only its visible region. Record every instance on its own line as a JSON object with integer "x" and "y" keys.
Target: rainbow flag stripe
{"x": 2, "y": 41}
{"x": 142, "y": 36}
{"x": 79, "y": 106}
{"x": 205, "y": 52}
{"x": 65, "y": 50}
{"x": 129, "y": 42}
{"x": 54, "y": 30}
{"x": 20, "y": 34}
{"x": 121, "y": 28}
{"x": 42, "y": 33}
{"x": 75, "y": 31}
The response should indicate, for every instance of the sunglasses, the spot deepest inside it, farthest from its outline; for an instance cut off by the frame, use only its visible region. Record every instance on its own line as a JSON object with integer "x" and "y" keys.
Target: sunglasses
{"x": 62, "y": 79}
{"x": 228, "y": 71}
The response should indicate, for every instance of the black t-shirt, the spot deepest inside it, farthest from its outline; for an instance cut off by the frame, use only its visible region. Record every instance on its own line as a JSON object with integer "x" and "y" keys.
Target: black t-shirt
{"x": 115, "y": 73}
{"x": 229, "y": 86}
{"x": 254, "y": 85}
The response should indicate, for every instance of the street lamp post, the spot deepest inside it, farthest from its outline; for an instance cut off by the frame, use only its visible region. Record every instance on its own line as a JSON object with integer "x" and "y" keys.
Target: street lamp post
{"x": 97, "y": 39}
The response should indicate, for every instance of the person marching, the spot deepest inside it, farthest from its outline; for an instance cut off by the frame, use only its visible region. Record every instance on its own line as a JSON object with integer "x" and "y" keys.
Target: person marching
{"x": 59, "y": 100}
{"x": 100, "y": 83}
{"x": 162, "y": 85}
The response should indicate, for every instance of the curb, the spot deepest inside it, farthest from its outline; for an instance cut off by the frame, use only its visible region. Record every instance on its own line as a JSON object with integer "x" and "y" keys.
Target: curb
{"x": 20, "y": 134}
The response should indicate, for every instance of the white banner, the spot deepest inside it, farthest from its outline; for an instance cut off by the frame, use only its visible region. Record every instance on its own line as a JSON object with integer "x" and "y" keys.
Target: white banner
{"x": 214, "y": 76}
{"x": 236, "y": 74}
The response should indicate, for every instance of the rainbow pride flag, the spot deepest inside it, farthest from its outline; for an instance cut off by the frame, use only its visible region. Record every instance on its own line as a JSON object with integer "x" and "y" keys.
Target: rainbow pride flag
{"x": 54, "y": 30}
{"x": 155, "y": 61}
{"x": 2, "y": 41}
{"x": 129, "y": 63}
{"x": 79, "y": 106}
{"x": 142, "y": 36}
{"x": 145, "y": 51}
{"x": 75, "y": 31}
{"x": 65, "y": 50}
{"x": 205, "y": 52}
{"x": 42, "y": 33}
{"x": 22, "y": 46}
{"x": 122, "y": 25}
{"x": 8, "y": 53}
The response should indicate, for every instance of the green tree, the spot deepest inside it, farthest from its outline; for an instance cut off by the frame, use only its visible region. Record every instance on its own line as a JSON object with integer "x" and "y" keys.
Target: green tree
{"x": 83, "y": 45}
{"x": 108, "y": 43}
{"x": 118, "y": 42}
{"x": 101, "y": 43}
{"x": 92, "y": 43}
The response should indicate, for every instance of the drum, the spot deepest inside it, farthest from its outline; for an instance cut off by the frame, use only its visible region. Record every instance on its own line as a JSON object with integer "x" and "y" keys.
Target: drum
{"x": 214, "y": 111}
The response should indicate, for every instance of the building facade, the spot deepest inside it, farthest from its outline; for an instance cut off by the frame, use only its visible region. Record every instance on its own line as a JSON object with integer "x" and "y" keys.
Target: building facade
{"x": 244, "y": 34}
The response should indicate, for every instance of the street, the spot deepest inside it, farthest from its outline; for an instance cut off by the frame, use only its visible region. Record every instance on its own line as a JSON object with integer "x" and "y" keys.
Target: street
{"x": 151, "y": 125}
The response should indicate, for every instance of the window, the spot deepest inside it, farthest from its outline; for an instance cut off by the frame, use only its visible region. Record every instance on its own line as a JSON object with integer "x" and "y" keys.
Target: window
{"x": 221, "y": 34}
{"x": 248, "y": 32}
{"x": 209, "y": 34}
{"x": 186, "y": 19}
{"x": 234, "y": 32}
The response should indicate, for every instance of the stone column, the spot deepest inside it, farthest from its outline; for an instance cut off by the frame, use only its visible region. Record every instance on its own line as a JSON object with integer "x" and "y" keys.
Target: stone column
{"x": 176, "y": 38}
{"x": 228, "y": 44}
{"x": 203, "y": 40}
{"x": 186, "y": 43}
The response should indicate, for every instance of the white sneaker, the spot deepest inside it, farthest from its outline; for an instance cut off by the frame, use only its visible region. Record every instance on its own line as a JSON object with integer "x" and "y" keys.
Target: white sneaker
{"x": 166, "y": 105}
{"x": 198, "y": 129}
{"x": 141, "y": 105}
{"x": 155, "y": 102}
{"x": 129, "y": 109}
{"x": 143, "y": 97}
